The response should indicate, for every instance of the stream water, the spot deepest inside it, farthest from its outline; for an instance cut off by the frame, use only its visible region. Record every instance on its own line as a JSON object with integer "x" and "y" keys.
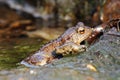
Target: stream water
{"x": 15, "y": 50}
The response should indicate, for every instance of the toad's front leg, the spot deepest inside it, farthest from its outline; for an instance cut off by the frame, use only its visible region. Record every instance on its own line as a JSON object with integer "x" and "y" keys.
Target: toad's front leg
{"x": 70, "y": 48}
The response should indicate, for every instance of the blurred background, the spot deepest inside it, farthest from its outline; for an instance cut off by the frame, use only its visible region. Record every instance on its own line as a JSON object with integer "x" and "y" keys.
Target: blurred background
{"x": 37, "y": 18}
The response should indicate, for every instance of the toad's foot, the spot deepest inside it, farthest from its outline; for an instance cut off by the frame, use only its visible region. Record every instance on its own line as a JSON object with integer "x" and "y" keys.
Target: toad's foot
{"x": 70, "y": 48}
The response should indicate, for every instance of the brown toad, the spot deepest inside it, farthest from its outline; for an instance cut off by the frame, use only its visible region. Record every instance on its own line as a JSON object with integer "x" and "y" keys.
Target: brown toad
{"x": 69, "y": 42}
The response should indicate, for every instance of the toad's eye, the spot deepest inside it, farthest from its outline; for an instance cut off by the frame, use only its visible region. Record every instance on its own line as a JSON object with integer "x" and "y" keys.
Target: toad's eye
{"x": 81, "y": 30}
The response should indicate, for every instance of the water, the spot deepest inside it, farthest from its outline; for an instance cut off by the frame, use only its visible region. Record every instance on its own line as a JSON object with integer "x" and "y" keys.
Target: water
{"x": 15, "y": 50}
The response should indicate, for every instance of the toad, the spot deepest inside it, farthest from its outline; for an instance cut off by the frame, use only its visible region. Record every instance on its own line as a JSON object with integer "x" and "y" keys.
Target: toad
{"x": 70, "y": 42}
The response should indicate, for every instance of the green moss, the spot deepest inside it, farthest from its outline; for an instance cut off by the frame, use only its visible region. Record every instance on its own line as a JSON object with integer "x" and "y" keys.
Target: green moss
{"x": 13, "y": 52}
